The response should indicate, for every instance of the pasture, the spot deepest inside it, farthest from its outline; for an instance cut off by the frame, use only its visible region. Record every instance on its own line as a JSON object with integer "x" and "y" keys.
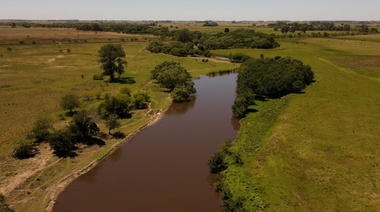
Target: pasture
{"x": 316, "y": 151}
{"x": 39, "y": 66}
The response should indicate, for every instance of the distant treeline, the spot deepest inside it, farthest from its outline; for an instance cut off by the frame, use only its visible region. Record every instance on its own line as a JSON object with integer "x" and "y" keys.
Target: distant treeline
{"x": 320, "y": 26}
{"x": 196, "y": 43}
{"x": 119, "y": 27}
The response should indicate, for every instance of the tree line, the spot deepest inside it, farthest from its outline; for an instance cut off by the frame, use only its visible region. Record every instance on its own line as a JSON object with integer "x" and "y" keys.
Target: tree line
{"x": 195, "y": 43}
{"x": 269, "y": 78}
{"x": 320, "y": 26}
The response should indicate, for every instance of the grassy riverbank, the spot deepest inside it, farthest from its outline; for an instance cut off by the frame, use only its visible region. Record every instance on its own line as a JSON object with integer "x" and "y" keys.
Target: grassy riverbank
{"x": 36, "y": 70}
{"x": 315, "y": 151}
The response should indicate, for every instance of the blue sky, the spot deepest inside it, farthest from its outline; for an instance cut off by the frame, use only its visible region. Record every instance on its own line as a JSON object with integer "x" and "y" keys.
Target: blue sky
{"x": 266, "y": 10}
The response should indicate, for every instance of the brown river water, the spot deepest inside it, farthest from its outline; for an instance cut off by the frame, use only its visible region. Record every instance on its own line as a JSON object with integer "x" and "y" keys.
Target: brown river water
{"x": 164, "y": 167}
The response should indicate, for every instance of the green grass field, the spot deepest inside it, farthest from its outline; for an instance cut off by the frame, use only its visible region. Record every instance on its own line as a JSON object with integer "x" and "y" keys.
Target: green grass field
{"x": 316, "y": 151}
{"x": 34, "y": 77}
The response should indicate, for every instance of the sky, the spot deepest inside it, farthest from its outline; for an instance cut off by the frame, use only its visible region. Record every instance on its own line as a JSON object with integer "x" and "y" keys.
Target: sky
{"x": 228, "y": 10}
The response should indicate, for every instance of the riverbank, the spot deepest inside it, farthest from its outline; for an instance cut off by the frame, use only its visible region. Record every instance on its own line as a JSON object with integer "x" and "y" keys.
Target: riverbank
{"x": 57, "y": 188}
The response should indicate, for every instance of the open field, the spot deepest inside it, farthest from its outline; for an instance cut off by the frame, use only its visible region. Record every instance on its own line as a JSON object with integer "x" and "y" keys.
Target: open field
{"x": 33, "y": 78}
{"x": 316, "y": 151}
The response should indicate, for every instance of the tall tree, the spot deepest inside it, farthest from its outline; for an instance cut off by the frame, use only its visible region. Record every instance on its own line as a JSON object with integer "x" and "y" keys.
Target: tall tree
{"x": 112, "y": 60}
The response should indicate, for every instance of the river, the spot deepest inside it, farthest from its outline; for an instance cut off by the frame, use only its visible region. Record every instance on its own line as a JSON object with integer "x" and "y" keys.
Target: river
{"x": 164, "y": 167}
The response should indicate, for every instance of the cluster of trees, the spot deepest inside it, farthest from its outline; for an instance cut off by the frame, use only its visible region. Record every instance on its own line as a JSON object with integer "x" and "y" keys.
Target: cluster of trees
{"x": 320, "y": 26}
{"x": 269, "y": 78}
{"x": 197, "y": 43}
{"x": 175, "y": 78}
{"x": 119, "y": 27}
{"x": 82, "y": 128}
{"x": 210, "y": 23}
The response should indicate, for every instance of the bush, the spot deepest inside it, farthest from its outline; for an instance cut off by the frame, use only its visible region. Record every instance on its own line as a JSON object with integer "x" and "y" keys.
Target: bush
{"x": 141, "y": 100}
{"x": 180, "y": 94}
{"x": 98, "y": 77}
{"x": 120, "y": 105}
{"x": 62, "y": 142}
{"x": 126, "y": 91}
{"x": 239, "y": 57}
{"x": 216, "y": 162}
{"x": 41, "y": 130}
{"x": 69, "y": 102}
{"x": 25, "y": 149}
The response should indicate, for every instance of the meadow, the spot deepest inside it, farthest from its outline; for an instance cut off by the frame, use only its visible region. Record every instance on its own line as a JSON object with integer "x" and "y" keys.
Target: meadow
{"x": 315, "y": 151}
{"x": 39, "y": 66}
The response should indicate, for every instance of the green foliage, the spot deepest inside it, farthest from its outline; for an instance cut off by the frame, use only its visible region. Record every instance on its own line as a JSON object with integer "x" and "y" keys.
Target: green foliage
{"x": 41, "y": 130}
{"x": 25, "y": 149}
{"x": 216, "y": 162}
{"x": 69, "y": 102}
{"x": 4, "y": 207}
{"x": 112, "y": 60}
{"x": 82, "y": 126}
{"x": 239, "y": 57}
{"x": 180, "y": 94}
{"x": 174, "y": 77}
{"x": 186, "y": 41}
{"x": 98, "y": 77}
{"x": 63, "y": 143}
{"x": 141, "y": 100}
{"x": 112, "y": 122}
{"x": 274, "y": 77}
{"x": 125, "y": 91}
{"x": 119, "y": 105}
{"x": 210, "y": 23}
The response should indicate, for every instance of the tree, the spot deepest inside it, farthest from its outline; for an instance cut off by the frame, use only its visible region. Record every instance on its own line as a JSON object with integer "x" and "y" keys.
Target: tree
{"x": 41, "y": 130}
{"x": 69, "y": 102}
{"x": 112, "y": 60}
{"x": 173, "y": 76}
{"x": 112, "y": 122}
{"x": 119, "y": 105}
{"x": 83, "y": 127}
{"x": 63, "y": 144}
{"x": 25, "y": 149}
{"x": 226, "y": 30}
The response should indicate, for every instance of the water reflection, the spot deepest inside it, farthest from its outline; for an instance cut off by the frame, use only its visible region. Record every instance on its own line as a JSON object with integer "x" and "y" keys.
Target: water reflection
{"x": 181, "y": 108}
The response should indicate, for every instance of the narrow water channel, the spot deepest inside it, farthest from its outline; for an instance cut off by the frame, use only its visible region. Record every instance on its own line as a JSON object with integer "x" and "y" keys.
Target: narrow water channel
{"x": 164, "y": 167}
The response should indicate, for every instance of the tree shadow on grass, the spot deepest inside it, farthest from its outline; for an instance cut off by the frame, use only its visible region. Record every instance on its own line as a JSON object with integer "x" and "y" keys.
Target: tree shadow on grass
{"x": 124, "y": 80}
{"x": 95, "y": 141}
{"x": 69, "y": 153}
{"x": 71, "y": 113}
{"x": 119, "y": 135}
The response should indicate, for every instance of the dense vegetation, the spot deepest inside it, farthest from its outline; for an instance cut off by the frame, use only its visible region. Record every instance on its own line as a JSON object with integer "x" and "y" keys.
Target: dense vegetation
{"x": 321, "y": 26}
{"x": 175, "y": 78}
{"x": 269, "y": 78}
{"x": 197, "y": 43}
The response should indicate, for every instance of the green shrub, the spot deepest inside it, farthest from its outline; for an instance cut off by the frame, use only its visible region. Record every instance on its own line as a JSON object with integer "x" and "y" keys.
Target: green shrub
{"x": 25, "y": 149}
{"x": 141, "y": 100}
{"x": 98, "y": 77}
